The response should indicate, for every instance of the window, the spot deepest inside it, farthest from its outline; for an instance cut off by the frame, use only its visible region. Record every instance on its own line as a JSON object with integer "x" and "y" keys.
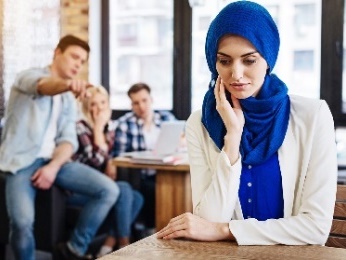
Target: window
{"x": 29, "y": 40}
{"x": 308, "y": 65}
{"x": 299, "y": 56}
{"x": 303, "y": 60}
{"x": 140, "y": 49}
{"x": 304, "y": 19}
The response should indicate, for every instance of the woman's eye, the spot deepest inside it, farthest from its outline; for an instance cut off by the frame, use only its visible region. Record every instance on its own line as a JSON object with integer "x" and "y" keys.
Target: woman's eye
{"x": 224, "y": 61}
{"x": 250, "y": 61}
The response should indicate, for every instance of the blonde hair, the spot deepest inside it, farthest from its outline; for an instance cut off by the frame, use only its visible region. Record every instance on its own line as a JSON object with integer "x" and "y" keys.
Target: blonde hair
{"x": 85, "y": 103}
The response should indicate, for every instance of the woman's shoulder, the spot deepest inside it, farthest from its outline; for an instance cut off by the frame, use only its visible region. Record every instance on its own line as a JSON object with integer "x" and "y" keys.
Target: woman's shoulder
{"x": 306, "y": 104}
{"x": 82, "y": 127}
{"x": 308, "y": 109}
{"x": 195, "y": 117}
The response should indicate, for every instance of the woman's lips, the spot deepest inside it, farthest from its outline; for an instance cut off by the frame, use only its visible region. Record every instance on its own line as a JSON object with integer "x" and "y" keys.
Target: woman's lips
{"x": 239, "y": 86}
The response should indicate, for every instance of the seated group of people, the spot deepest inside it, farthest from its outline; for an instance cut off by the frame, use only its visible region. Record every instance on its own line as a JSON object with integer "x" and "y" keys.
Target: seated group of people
{"x": 55, "y": 146}
{"x": 99, "y": 142}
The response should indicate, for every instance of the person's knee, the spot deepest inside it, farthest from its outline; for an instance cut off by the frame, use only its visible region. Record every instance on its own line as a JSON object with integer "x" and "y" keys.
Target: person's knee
{"x": 22, "y": 225}
{"x": 110, "y": 191}
{"x": 124, "y": 188}
{"x": 138, "y": 198}
{"x": 114, "y": 192}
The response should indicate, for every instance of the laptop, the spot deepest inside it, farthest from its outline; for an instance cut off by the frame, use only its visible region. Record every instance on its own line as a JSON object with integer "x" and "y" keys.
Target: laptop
{"x": 167, "y": 144}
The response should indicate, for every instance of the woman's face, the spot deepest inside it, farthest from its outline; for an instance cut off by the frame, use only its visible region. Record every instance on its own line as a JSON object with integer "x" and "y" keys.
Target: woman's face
{"x": 98, "y": 103}
{"x": 241, "y": 68}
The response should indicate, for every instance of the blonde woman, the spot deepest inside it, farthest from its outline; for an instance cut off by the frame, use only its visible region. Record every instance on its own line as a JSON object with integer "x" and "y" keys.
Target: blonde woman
{"x": 95, "y": 143}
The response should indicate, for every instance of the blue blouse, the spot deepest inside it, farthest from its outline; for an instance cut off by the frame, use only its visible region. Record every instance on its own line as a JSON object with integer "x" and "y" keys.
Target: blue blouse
{"x": 260, "y": 191}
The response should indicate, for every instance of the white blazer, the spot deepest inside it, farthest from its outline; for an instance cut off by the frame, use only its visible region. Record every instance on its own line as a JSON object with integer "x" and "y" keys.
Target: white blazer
{"x": 308, "y": 163}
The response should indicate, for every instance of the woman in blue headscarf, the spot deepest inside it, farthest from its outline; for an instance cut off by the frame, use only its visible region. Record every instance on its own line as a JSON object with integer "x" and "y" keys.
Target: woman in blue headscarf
{"x": 263, "y": 163}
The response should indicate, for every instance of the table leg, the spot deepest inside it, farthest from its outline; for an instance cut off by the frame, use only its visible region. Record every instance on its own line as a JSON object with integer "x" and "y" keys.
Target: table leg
{"x": 173, "y": 196}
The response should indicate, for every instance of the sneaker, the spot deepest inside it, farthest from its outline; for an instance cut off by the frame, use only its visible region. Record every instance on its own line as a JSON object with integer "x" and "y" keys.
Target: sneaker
{"x": 104, "y": 250}
{"x": 62, "y": 252}
{"x": 150, "y": 231}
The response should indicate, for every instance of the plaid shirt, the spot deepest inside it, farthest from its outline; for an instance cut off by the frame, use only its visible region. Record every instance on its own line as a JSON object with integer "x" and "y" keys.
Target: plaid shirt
{"x": 89, "y": 153}
{"x": 129, "y": 131}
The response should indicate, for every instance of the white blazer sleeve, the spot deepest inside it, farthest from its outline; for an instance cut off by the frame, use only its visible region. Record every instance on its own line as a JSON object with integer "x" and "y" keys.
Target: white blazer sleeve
{"x": 214, "y": 181}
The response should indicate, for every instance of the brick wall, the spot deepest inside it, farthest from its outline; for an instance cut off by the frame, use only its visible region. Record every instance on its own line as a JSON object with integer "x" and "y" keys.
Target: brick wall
{"x": 75, "y": 20}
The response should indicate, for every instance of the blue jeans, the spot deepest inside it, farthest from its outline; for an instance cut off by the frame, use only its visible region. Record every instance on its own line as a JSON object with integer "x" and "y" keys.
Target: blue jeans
{"x": 124, "y": 212}
{"x": 75, "y": 177}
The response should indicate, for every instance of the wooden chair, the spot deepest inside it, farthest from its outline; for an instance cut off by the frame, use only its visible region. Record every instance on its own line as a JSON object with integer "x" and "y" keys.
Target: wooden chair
{"x": 337, "y": 237}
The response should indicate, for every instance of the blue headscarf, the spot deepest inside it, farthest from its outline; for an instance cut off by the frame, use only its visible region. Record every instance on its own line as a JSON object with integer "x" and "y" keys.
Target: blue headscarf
{"x": 267, "y": 114}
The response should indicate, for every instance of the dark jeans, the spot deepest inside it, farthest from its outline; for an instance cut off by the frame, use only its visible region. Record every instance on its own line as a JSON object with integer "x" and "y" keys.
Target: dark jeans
{"x": 146, "y": 185}
{"x": 72, "y": 176}
{"x": 148, "y": 191}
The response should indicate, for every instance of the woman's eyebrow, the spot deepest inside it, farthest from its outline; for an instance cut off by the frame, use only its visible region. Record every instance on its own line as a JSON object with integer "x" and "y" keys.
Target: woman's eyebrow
{"x": 249, "y": 53}
{"x": 244, "y": 55}
{"x": 223, "y": 54}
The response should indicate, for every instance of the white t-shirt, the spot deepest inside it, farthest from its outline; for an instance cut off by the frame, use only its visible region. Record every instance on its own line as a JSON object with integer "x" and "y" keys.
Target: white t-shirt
{"x": 48, "y": 143}
{"x": 150, "y": 136}
{"x": 150, "y": 139}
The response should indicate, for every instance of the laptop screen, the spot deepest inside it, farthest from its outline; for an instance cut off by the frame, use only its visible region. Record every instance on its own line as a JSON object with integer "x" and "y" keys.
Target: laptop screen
{"x": 169, "y": 137}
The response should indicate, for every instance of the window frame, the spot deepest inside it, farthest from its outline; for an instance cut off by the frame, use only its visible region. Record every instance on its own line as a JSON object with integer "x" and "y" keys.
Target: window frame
{"x": 332, "y": 58}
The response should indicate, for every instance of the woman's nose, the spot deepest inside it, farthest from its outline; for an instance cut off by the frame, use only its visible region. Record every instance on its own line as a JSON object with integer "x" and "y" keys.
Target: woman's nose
{"x": 237, "y": 73}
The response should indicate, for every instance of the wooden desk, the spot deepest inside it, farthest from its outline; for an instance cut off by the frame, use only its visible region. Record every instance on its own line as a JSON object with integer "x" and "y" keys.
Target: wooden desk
{"x": 153, "y": 248}
{"x": 173, "y": 189}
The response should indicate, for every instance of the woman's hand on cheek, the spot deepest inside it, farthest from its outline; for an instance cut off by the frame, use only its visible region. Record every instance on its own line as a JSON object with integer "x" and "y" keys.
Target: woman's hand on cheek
{"x": 238, "y": 113}
{"x": 104, "y": 116}
{"x": 194, "y": 227}
{"x": 101, "y": 118}
{"x": 94, "y": 113}
{"x": 232, "y": 117}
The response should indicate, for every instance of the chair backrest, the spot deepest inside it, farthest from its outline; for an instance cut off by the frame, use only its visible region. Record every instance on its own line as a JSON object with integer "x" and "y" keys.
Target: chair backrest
{"x": 337, "y": 237}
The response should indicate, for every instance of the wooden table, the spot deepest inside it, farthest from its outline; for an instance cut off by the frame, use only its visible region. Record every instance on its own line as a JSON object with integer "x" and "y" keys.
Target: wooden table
{"x": 153, "y": 248}
{"x": 173, "y": 189}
